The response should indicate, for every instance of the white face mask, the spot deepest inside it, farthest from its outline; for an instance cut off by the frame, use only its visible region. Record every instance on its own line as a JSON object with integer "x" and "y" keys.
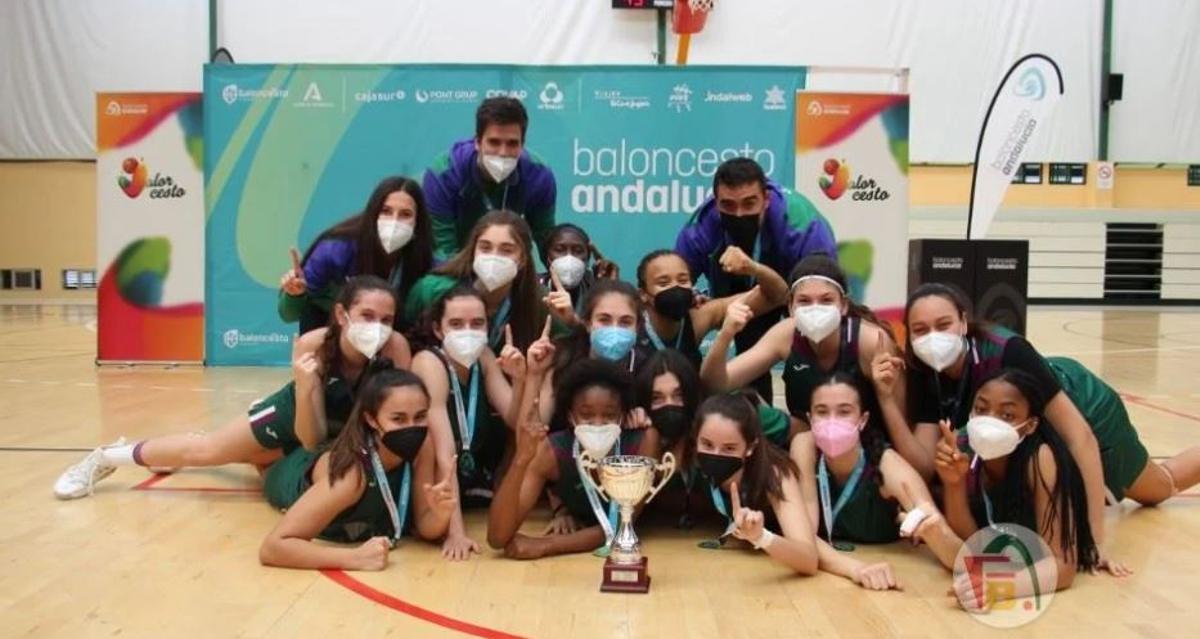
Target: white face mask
{"x": 494, "y": 270}
{"x": 569, "y": 269}
{"x": 991, "y": 437}
{"x": 367, "y": 337}
{"x": 939, "y": 349}
{"x": 499, "y": 166}
{"x": 597, "y": 439}
{"x": 393, "y": 234}
{"x": 465, "y": 346}
{"x": 817, "y": 321}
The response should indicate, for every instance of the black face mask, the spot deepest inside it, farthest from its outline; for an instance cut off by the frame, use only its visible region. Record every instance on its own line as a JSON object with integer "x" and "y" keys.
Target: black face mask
{"x": 671, "y": 422}
{"x": 674, "y": 302}
{"x": 719, "y": 467}
{"x": 742, "y": 229}
{"x": 405, "y": 443}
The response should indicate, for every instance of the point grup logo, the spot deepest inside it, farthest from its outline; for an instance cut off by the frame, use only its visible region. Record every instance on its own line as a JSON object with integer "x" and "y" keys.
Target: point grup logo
{"x": 836, "y": 178}
{"x": 133, "y": 176}
{"x": 230, "y": 338}
{"x": 112, "y": 108}
{"x": 1031, "y": 84}
{"x": 1005, "y": 576}
{"x": 230, "y": 93}
{"x": 815, "y": 108}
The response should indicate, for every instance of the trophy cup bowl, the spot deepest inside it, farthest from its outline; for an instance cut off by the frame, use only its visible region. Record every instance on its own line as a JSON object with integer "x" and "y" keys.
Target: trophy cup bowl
{"x": 626, "y": 480}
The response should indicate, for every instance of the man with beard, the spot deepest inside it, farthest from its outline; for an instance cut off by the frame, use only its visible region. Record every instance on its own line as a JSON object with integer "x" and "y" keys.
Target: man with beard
{"x": 751, "y": 219}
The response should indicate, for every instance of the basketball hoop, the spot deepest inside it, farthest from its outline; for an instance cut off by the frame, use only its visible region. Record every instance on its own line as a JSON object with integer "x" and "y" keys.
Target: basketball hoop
{"x": 688, "y": 17}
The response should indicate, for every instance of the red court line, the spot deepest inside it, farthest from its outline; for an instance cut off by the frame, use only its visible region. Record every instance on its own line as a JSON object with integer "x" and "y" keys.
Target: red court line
{"x": 382, "y": 598}
{"x": 150, "y": 482}
{"x": 202, "y": 489}
{"x": 1134, "y": 399}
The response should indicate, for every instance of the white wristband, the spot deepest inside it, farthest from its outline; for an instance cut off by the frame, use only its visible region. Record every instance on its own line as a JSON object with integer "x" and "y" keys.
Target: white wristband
{"x": 764, "y": 540}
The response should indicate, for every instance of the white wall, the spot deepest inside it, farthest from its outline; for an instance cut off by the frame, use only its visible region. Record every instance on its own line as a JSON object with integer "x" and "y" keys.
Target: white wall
{"x": 957, "y": 52}
{"x": 54, "y": 54}
{"x": 1156, "y": 44}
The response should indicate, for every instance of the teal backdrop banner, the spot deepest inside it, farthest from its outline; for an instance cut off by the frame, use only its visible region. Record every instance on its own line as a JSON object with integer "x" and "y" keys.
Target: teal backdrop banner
{"x": 291, "y": 149}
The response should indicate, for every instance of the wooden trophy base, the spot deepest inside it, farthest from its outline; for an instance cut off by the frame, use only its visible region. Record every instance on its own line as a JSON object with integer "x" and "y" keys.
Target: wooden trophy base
{"x": 625, "y": 577}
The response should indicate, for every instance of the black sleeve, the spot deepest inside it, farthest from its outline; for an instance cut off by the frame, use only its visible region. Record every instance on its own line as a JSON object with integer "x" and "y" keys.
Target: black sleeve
{"x": 1019, "y": 353}
{"x": 924, "y": 397}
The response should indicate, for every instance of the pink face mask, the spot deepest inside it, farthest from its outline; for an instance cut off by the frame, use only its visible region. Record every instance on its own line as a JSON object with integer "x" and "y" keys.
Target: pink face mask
{"x": 834, "y": 435}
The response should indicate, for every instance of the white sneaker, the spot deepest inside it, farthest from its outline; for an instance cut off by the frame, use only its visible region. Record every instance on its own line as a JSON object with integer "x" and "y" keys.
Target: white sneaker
{"x": 80, "y": 480}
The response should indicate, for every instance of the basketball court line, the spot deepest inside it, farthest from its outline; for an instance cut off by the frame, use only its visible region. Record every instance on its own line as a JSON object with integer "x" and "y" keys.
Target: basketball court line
{"x": 1138, "y": 401}
{"x": 346, "y": 581}
{"x": 157, "y": 387}
{"x": 41, "y": 449}
{"x": 352, "y": 584}
{"x": 150, "y": 484}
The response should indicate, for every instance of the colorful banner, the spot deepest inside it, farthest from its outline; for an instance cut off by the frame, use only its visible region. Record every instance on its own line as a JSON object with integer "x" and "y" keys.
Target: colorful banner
{"x": 149, "y": 223}
{"x": 1026, "y": 96}
{"x": 852, "y": 162}
{"x": 292, "y": 149}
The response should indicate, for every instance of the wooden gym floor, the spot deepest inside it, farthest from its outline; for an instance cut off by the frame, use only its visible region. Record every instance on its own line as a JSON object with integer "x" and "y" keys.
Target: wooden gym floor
{"x": 178, "y": 557}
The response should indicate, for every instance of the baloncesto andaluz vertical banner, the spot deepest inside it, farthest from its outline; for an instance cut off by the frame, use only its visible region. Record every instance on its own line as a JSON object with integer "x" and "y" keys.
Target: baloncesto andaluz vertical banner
{"x": 852, "y": 163}
{"x": 149, "y": 227}
{"x": 292, "y": 149}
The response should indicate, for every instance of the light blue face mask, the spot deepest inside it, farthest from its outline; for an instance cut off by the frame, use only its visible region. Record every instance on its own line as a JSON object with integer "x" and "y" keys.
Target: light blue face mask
{"x": 612, "y": 342}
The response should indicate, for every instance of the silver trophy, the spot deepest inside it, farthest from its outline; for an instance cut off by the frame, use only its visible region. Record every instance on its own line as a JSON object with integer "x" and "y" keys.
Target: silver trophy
{"x": 626, "y": 479}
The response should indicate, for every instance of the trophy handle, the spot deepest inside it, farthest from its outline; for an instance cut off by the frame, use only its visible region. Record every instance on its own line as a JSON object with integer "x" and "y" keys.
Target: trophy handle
{"x": 667, "y": 466}
{"x": 586, "y": 466}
